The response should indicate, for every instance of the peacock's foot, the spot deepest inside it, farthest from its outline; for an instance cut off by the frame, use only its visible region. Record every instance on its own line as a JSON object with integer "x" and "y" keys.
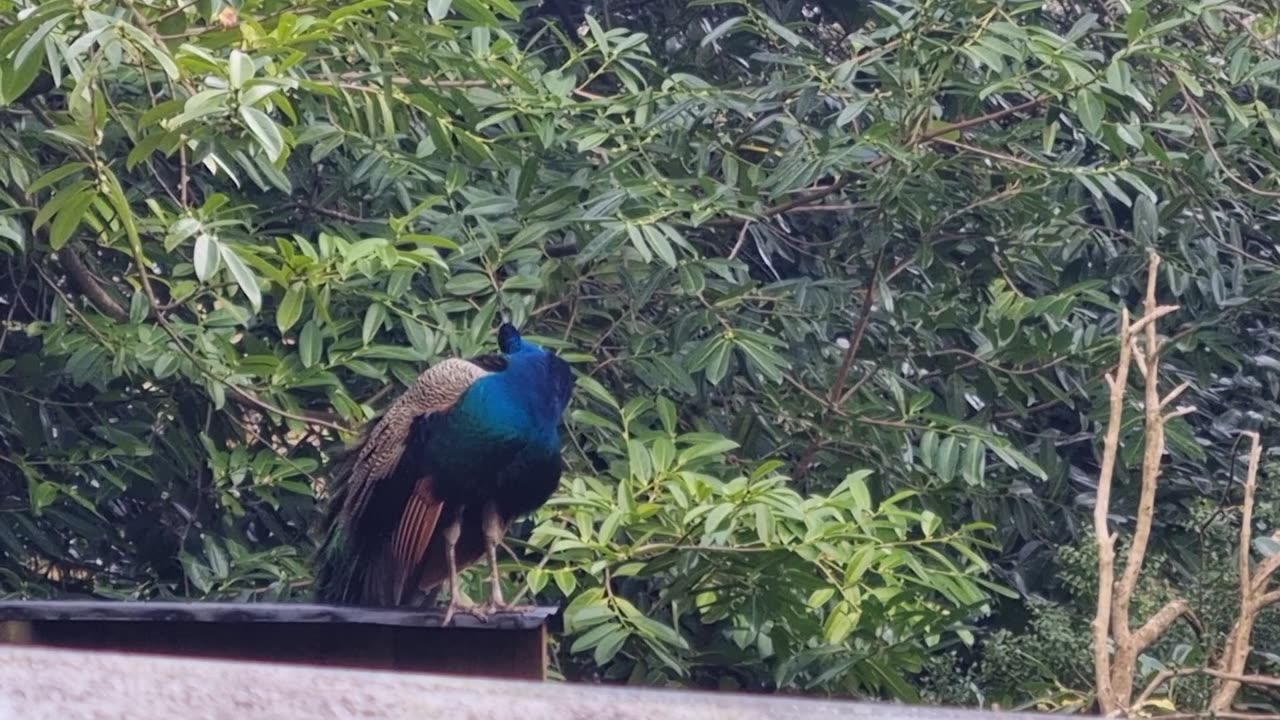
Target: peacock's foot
{"x": 458, "y": 601}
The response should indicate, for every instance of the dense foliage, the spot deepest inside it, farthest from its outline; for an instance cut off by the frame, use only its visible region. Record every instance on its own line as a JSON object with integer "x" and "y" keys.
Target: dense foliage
{"x": 840, "y": 282}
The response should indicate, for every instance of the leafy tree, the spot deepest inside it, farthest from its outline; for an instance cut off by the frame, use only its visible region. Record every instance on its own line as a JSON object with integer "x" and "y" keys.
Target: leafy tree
{"x": 840, "y": 280}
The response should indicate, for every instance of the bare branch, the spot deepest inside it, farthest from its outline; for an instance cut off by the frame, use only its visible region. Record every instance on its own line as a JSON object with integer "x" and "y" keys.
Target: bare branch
{"x": 1101, "y": 509}
{"x": 89, "y": 286}
{"x": 982, "y": 119}
{"x": 1157, "y": 624}
{"x": 1174, "y": 393}
{"x": 1149, "y": 318}
{"x": 1266, "y": 569}
{"x": 1140, "y": 357}
{"x": 1115, "y": 671}
{"x": 1236, "y": 652}
{"x": 1165, "y": 676}
{"x": 1246, "y": 516}
{"x": 742, "y": 239}
{"x": 1154, "y": 442}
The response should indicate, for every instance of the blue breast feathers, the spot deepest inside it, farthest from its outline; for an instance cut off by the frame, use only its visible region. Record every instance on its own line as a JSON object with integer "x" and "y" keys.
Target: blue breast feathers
{"x": 526, "y": 399}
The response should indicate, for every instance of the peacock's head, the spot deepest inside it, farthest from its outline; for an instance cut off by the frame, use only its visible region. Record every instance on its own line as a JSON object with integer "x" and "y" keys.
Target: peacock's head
{"x": 532, "y": 355}
{"x": 509, "y": 340}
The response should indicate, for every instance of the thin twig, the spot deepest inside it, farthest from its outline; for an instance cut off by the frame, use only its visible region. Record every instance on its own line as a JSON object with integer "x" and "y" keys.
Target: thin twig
{"x": 1252, "y": 600}
{"x": 860, "y": 332}
{"x": 402, "y": 80}
{"x": 982, "y": 119}
{"x": 71, "y": 307}
{"x": 1002, "y": 157}
{"x": 835, "y": 396}
{"x": 812, "y": 197}
{"x": 1165, "y": 676}
{"x": 742, "y": 239}
{"x": 1196, "y": 112}
{"x": 328, "y": 212}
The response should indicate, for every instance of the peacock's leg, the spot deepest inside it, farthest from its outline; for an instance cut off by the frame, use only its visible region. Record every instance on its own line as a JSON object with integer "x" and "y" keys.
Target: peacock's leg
{"x": 457, "y": 600}
{"x": 493, "y": 532}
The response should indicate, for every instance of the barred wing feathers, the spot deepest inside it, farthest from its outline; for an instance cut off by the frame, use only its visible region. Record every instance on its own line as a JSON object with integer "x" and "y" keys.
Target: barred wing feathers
{"x": 384, "y": 512}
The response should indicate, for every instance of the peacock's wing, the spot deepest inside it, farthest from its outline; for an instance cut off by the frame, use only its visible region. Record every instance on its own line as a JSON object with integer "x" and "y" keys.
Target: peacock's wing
{"x": 385, "y": 509}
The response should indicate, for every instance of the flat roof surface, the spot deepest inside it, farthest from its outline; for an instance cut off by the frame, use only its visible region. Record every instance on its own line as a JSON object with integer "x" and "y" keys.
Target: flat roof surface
{"x": 48, "y": 684}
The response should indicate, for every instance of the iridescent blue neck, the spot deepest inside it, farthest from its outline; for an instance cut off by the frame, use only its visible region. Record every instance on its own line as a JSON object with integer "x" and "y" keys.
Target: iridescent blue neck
{"x": 526, "y": 399}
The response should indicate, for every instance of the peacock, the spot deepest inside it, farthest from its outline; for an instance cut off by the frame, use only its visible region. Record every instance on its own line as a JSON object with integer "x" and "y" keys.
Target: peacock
{"x": 435, "y": 483}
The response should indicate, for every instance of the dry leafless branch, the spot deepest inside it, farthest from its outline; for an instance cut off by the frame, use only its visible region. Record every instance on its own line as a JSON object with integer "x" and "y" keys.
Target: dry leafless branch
{"x": 1117, "y": 644}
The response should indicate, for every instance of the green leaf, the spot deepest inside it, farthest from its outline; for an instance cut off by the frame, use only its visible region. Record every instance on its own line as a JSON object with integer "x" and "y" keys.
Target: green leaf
{"x": 53, "y": 176}
{"x": 167, "y": 364}
{"x": 720, "y": 30}
{"x": 468, "y": 284}
{"x": 762, "y": 358}
{"x": 929, "y": 523}
{"x": 820, "y": 597}
{"x": 1146, "y": 220}
{"x": 240, "y": 70}
{"x": 855, "y": 484}
{"x": 438, "y": 9}
{"x": 182, "y": 229}
{"x": 640, "y": 462}
{"x": 597, "y": 33}
{"x": 244, "y": 277}
{"x": 310, "y": 344}
{"x": 705, "y": 449}
{"x": 974, "y": 461}
{"x": 27, "y": 61}
{"x": 1049, "y": 136}
{"x": 609, "y": 645}
{"x": 591, "y": 638}
{"x": 139, "y": 307}
{"x": 1090, "y": 109}
{"x": 60, "y": 200}
{"x": 290, "y": 309}
{"x": 42, "y": 496}
{"x": 948, "y": 455}
{"x": 207, "y": 256}
{"x": 419, "y": 336}
{"x": 374, "y": 316}
{"x": 782, "y": 31}
{"x": 70, "y": 217}
{"x": 264, "y": 130}
{"x": 1266, "y": 546}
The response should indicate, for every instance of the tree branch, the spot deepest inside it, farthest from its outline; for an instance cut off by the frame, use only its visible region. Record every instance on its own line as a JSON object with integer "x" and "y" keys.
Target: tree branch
{"x": 1196, "y": 112}
{"x": 1115, "y": 670}
{"x": 835, "y": 398}
{"x": 85, "y": 282}
{"x": 1101, "y": 509}
{"x": 845, "y": 178}
{"x": 1154, "y": 442}
{"x": 1165, "y": 676}
{"x": 1157, "y": 624}
{"x": 1252, "y": 600}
